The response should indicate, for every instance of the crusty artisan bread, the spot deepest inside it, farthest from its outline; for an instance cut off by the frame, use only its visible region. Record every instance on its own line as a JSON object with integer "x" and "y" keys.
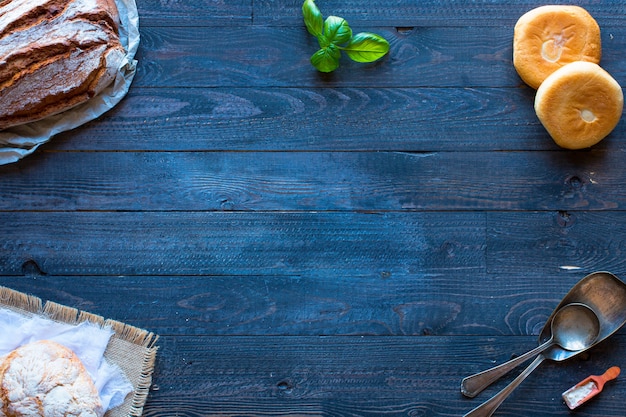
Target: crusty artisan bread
{"x": 54, "y": 55}
{"x": 46, "y": 379}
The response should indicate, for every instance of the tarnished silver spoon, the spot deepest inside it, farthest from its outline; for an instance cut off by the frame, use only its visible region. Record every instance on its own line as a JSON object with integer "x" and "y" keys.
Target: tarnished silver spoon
{"x": 575, "y": 327}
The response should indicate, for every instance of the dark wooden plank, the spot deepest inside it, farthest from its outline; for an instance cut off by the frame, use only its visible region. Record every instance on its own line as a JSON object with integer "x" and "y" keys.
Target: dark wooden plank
{"x": 411, "y": 119}
{"x": 286, "y": 119}
{"x": 548, "y": 241}
{"x": 390, "y": 303}
{"x": 361, "y": 376}
{"x": 305, "y": 244}
{"x": 319, "y": 181}
{"x": 194, "y": 13}
{"x": 425, "y": 57}
{"x": 402, "y": 13}
{"x": 409, "y": 13}
{"x": 309, "y": 244}
{"x": 278, "y": 57}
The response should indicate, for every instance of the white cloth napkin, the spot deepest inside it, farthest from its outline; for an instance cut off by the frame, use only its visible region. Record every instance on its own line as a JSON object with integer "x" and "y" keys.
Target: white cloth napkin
{"x": 87, "y": 340}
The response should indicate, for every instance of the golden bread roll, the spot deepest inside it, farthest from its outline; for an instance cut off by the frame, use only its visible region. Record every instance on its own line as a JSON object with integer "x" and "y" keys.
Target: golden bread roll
{"x": 579, "y": 104}
{"x": 46, "y": 379}
{"x": 548, "y": 37}
{"x": 54, "y": 55}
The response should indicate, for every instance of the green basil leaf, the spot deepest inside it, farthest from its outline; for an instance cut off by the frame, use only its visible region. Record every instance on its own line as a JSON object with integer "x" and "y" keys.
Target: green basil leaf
{"x": 323, "y": 41}
{"x": 337, "y": 30}
{"x": 326, "y": 59}
{"x": 366, "y": 47}
{"x": 312, "y": 17}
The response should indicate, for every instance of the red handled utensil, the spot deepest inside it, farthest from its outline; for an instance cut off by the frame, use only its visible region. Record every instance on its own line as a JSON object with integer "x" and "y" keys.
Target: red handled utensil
{"x": 588, "y": 388}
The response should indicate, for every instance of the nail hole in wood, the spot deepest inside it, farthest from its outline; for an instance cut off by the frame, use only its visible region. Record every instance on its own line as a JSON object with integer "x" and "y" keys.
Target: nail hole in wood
{"x": 575, "y": 182}
{"x": 404, "y": 30}
{"x": 564, "y": 219}
{"x": 285, "y": 387}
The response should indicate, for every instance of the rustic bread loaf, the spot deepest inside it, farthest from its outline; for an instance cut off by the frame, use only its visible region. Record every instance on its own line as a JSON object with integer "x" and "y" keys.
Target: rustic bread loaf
{"x": 46, "y": 379}
{"x": 54, "y": 55}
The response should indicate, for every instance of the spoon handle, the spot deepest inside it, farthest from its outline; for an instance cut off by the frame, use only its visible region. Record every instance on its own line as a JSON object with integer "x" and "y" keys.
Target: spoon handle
{"x": 487, "y": 408}
{"x": 472, "y": 385}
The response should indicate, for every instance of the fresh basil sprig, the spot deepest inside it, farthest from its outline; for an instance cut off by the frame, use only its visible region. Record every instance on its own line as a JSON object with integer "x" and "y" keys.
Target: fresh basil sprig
{"x": 334, "y": 35}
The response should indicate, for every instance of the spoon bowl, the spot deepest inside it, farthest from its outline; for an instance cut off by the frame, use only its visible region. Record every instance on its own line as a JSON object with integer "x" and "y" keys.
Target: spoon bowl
{"x": 602, "y": 292}
{"x": 574, "y": 327}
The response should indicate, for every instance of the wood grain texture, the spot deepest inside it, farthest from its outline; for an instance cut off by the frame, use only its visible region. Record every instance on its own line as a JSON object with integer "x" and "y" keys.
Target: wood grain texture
{"x": 356, "y": 376}
{"x": 261, "y": 56}
{"x": 86, "y": 243}
{"x": 309, "y": 244}
{"x": 409, "y": 14}
{"x": 405, "y": 14}
{"x": 196, "y": 57}
{"x": 316, "y": 119}
{"x": 392, "y": 303}
{"x": 318, "y": 181}
{"x": 562, "y": 240}
{"x": 215, "y": 13}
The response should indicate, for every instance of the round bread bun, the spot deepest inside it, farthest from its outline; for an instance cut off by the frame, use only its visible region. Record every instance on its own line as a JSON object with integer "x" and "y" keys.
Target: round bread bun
{"x": 46, "y": 379}
{"x": 579, "y": 104}
{"x": 548, "y": 37}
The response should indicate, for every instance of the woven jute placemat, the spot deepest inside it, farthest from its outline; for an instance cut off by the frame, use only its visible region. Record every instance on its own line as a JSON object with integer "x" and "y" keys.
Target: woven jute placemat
{"x": 132, "y": 349}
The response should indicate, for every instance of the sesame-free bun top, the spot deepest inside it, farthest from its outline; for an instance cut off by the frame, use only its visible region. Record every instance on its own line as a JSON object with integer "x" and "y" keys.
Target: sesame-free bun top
{"x": 548, "y": 37}
{"x": 579, "y": 104}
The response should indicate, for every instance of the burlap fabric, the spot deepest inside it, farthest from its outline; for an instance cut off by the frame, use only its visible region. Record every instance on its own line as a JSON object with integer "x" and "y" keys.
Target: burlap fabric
{"x": 130, "y": 348}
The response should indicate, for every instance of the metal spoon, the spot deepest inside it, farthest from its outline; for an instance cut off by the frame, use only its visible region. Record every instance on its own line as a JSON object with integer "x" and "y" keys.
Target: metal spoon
{"x": 602, "y": 291}
{"x": 575, "y": 327}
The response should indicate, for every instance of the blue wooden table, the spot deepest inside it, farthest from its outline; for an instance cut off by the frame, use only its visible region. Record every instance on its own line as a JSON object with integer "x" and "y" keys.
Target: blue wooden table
{"x": 344, "y": 244}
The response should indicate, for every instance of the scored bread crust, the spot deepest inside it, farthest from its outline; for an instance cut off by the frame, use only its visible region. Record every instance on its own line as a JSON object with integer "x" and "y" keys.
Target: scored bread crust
{"x": 46, "y": 379}
{"x": 54, "y": 55}
{"x": 579, "y": 104}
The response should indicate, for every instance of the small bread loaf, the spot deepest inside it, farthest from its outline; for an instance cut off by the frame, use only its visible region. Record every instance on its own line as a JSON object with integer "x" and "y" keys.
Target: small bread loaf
{"x": 54, "y": 55}
{"x": 579, "y": 104}
{"x": 46, "y": 379}
{"x": 548, "y": 37}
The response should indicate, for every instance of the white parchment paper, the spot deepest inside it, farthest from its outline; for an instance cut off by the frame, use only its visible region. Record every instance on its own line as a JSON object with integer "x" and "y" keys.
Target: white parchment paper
{"x": 20, "y": 141}
{"x": 87, "y": 340}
